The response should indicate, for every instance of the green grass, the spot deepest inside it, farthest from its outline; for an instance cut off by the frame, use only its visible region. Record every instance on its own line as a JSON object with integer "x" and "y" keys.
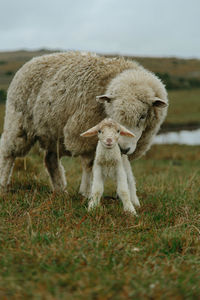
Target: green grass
{"x": 52, "y": 248}
{"x": 184, "y": 107}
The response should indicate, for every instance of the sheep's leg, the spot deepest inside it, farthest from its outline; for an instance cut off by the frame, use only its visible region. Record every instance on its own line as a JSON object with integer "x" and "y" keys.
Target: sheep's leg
{"x": 131, "y": 181}
{"x": 86, "y": 181}
{"x": 97, "y": 188}
{"x": 123, "y": 191}
{"x": 6, "y": 167}
{"x": 56, "y": 171}
{"x": 13, "y": 143}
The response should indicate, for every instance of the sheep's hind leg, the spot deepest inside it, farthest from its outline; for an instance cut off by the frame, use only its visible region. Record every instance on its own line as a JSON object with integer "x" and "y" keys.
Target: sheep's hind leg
{"x": 86, "y": 180}
{"x": 6, "y": 167}
{"x": 56, "y": 171}
{"x": 13, "y": 143}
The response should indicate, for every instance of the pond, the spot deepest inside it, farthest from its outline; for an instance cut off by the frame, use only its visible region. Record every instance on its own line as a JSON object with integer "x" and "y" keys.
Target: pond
{"x": 182, "y": 137}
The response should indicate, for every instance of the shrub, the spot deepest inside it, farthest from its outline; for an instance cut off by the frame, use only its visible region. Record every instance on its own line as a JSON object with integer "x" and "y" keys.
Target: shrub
{"x": 177, "y": 83}
{"x": 2, "y": 95}
{"x": 9, "y": 73}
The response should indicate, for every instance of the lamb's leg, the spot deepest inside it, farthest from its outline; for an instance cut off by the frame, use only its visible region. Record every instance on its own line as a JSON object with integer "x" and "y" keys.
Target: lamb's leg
{"x": 56, "y": 171}
{"x": 131, "y": 181}
{"x": 86, "y": 181}
{"x": 123, "y": 191}
{"x": 97, "y": 188}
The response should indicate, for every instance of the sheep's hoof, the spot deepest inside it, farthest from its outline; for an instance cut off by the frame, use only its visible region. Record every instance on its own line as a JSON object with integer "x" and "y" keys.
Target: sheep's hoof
{"x": 3, "y": 191}
{"x": 60, "y": 191}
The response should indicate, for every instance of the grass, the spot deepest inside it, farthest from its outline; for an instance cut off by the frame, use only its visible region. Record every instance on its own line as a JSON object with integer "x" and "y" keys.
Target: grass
{"x": 184, "y": 107}
{"x": 52, "y": 248}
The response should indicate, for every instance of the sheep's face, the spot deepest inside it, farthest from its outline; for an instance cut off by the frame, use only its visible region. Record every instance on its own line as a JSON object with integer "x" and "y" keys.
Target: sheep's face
{"x": 132, "y": 105}
{"x": 109, "y": 133}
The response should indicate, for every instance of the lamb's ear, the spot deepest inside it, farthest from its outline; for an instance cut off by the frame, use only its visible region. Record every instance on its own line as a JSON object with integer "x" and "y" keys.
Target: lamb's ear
{"x": 90, "y": 132}
{"x": 159, "y": 102}
{"x": 104, "y": 98}
{"x": 126, "y": 132}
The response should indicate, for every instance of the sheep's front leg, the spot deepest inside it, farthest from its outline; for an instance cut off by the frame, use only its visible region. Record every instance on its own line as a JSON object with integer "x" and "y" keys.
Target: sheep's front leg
{"x": 97, "y": 188}
{"x": 131, "y": 181}
{"x": 122, "y": 189}
{"x": 56, "y": 171}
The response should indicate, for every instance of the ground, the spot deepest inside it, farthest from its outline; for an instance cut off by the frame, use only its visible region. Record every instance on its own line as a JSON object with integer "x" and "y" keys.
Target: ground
{"x": 52, "y": 248}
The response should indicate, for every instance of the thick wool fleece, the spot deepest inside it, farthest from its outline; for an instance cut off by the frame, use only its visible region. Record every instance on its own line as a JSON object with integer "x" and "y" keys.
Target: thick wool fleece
{"x": 54, "y": 96}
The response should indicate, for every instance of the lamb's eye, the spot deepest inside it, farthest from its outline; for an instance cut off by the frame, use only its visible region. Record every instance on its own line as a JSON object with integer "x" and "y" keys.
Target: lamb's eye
{"x": 99, "y": 131}
{"x": 118, "y": 131}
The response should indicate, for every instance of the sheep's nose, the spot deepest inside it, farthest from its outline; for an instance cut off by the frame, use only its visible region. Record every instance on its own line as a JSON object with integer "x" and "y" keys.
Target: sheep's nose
{"x": 109, "y": 141}
{"x": 124, "y": 151}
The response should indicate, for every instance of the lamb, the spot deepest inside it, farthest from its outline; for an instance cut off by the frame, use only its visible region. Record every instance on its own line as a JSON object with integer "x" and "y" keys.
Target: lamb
{"x": 53, "y": 98}
{"x": 109, "y": 162}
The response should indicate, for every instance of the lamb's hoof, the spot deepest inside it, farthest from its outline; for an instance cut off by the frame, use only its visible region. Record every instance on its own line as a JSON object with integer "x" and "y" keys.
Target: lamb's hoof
{"x": 135, "y": 202}
{"x": 130, "y": 209}
{"x": 84, "y": 194}
{"x": 92, "y": 205}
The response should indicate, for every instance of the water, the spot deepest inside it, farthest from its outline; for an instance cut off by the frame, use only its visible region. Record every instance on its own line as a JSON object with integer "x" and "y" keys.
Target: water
{"x": 182, "y": 137}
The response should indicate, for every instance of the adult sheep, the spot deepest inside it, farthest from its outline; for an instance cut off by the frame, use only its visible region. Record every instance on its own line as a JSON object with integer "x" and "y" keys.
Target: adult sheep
{"x": 54, "y": 98}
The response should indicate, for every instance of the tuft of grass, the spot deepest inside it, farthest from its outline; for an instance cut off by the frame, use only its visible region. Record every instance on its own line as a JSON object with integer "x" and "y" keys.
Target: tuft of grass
{"x": 52, "y": 248}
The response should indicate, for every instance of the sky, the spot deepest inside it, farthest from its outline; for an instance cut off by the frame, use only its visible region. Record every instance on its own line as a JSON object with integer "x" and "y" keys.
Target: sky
{"x": 126, "y": 27}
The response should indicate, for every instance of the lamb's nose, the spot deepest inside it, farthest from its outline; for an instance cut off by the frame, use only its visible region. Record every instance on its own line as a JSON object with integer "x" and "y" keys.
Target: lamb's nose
{"x": 124, "y": 151}
{"x": 109, "y": 141}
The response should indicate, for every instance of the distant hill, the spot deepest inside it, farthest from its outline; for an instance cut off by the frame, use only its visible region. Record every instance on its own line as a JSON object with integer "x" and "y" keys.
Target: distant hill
{"x": 176, "y": 73}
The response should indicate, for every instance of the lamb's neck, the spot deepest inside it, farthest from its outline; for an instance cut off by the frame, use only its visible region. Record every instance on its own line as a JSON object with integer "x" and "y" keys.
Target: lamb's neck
{"x": 105, "y": 154}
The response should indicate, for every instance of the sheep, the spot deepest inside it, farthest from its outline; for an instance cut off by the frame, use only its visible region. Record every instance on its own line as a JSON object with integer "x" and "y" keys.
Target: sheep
{"x": 55, "y": 97}
{"x": 109, "y": 162}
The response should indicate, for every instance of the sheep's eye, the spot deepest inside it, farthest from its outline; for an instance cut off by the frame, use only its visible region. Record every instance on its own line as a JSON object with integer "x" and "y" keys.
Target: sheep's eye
{"x": 118, "y": 131}
{"x": 143, "y": 116}
{"x": 99, "y": 131}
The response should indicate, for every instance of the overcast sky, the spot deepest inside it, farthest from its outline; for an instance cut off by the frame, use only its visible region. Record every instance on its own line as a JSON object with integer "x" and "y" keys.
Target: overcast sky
{"x": 133, "y": 27}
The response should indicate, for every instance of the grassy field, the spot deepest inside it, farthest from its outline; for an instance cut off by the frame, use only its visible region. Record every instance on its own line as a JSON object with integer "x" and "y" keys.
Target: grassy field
{"x": 52, "y": 248}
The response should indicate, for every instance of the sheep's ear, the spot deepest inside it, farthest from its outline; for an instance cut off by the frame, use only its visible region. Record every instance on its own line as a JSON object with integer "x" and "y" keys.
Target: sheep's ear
{"x": 90, "y": 132}
{"x": 159, "y": 102}
{"x": 126, "y": 132}
{"x": 104, "y": 98}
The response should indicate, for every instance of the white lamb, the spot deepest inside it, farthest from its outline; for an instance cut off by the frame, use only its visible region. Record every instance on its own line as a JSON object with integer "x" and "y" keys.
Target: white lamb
{"x": 109, "y": 162}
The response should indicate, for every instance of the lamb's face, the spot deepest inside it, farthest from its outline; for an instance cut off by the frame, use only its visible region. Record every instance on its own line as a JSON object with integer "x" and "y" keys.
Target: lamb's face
{"x": 132, "y": 115}
{"x": 109, "y": 136}
{"x": 109, "y": 132}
